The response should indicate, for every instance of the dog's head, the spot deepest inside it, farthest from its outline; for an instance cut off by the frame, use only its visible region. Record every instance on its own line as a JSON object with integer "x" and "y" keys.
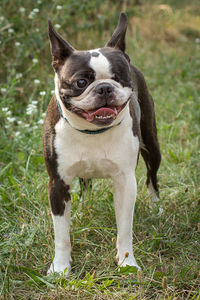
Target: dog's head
{"x": 96, "y": 85}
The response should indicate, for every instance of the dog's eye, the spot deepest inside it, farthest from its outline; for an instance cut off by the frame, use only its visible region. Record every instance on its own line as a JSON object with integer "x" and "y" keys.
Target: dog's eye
{"x": 81, "y": 83}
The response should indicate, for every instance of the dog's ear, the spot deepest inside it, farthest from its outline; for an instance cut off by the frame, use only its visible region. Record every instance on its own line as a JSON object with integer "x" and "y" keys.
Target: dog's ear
{"x": 60, "y": 49}
{"x": 118, "y": 38}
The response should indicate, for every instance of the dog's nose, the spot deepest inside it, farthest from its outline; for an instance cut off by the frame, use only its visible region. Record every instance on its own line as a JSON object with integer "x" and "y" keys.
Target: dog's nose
{"x": 104, "y": 89}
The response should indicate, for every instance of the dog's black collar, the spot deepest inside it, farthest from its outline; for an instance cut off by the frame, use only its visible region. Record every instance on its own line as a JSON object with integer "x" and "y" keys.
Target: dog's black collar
{"x": 87, "y": 131}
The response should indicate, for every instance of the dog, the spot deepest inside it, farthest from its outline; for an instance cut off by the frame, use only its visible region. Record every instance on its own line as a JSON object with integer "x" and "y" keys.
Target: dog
{"x": 94, "y": 127}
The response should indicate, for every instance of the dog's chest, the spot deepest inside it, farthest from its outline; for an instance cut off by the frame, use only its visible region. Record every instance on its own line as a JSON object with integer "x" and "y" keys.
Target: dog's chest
{"x": 94, "y": 156}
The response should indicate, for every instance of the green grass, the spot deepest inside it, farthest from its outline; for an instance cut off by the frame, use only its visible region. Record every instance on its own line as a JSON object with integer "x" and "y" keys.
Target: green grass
{"x": 164, "y": 43}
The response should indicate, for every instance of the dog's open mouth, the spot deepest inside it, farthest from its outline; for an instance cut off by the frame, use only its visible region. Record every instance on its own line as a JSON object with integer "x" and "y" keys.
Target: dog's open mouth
{"x": 103, "y": 113}
{"x": 100, "y": 116}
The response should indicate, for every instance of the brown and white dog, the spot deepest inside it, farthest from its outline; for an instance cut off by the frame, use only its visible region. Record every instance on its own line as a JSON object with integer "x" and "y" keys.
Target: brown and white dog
{"x": 95, "y": 123}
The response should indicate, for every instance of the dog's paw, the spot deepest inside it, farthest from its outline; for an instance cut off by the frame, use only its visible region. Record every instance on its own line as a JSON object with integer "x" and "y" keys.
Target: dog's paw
{"x": 131, "y": 263}
{"x": 152, "y": 193}
{"x": 127, "y": 260}
{"x": 62, "y": 269}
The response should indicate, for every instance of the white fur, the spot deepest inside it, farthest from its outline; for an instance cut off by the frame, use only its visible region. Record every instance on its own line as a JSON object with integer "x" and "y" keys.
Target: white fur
{"x": 100, "y": 65}
{"x": 109, "y": 154}
{"x": 89, "y": 156}
{"x": 124, "y": 200}
{"x": 62, "y": 258}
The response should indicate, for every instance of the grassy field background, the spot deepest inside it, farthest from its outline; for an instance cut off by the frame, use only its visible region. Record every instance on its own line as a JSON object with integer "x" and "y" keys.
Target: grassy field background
{"x": 163, "y": 41}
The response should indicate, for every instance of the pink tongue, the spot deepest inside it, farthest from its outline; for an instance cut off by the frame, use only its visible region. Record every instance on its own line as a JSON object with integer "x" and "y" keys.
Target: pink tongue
{"x": 103, "y": 111}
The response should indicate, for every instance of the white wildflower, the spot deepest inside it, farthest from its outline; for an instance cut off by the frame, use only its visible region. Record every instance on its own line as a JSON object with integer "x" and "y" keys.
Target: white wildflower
{"x": 19, "y": 75}
{"x": 19, "y": 122}
{"x": 197, "y": 40}
{"x": 41, "y": 121}
{"x": 43, "y": 114}
{"x": 2, "y": 18}
{"x": 22, "y": 9}
{"x": 36, "y": 81}
{"x": 17, "y": 133}
{"x": 57, "y": 26}
{"x": 4, "y": 108}
{"x": 17, "y": 44}
{"x": 31, "y": 108}
{"x": 36, "y": 10}
{"x": 3, "y": 90}
{"x": 35, "y": 60}
{"x": 31, "y": 15}
{"x": 11, "y": 120}
{"x": 10, "y": 30}
{"x": 58, "y": 7}
{"x": 26, "y": 125}
{"x": 8, "y": 113}
{"x": 34, "y": 102}
{"x": 42, "y": 93}
{"x": 39, "y": 1}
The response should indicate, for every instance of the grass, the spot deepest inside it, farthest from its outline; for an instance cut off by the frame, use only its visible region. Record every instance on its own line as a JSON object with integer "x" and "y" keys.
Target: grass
{"x": 164, "y": 42}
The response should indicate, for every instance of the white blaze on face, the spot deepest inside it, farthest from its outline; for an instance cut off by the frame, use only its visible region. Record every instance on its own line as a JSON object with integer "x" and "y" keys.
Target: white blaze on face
{"x": 100, "y": 65}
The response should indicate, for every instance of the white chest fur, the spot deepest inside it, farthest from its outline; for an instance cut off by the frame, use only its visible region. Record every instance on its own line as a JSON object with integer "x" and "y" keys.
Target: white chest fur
{"x": 107, "y": 154}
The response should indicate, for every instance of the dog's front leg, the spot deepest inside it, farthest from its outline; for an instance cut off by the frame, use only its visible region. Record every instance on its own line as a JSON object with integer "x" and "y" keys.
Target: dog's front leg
{"x": 60, "y": 206}
{"x": 124, "y": 200}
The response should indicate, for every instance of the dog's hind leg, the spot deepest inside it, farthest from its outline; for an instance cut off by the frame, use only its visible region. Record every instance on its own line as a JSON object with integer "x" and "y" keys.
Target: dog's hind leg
{"x": 150, "y": 151}
{"x": 150, "y": 148}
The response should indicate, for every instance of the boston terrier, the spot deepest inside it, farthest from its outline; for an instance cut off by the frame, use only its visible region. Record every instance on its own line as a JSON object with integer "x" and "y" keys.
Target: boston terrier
{"x": 98, "y": 121}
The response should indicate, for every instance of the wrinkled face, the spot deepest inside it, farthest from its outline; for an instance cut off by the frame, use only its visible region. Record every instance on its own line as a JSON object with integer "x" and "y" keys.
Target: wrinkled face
{"x": 96, "y": 85}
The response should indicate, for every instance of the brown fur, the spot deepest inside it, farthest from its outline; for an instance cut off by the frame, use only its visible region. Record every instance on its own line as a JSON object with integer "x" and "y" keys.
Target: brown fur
{"x": 57, "y": 188}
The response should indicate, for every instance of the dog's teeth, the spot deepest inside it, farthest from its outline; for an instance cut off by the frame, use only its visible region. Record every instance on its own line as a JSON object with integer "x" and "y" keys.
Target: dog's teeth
{"x": 104, "y": 118}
